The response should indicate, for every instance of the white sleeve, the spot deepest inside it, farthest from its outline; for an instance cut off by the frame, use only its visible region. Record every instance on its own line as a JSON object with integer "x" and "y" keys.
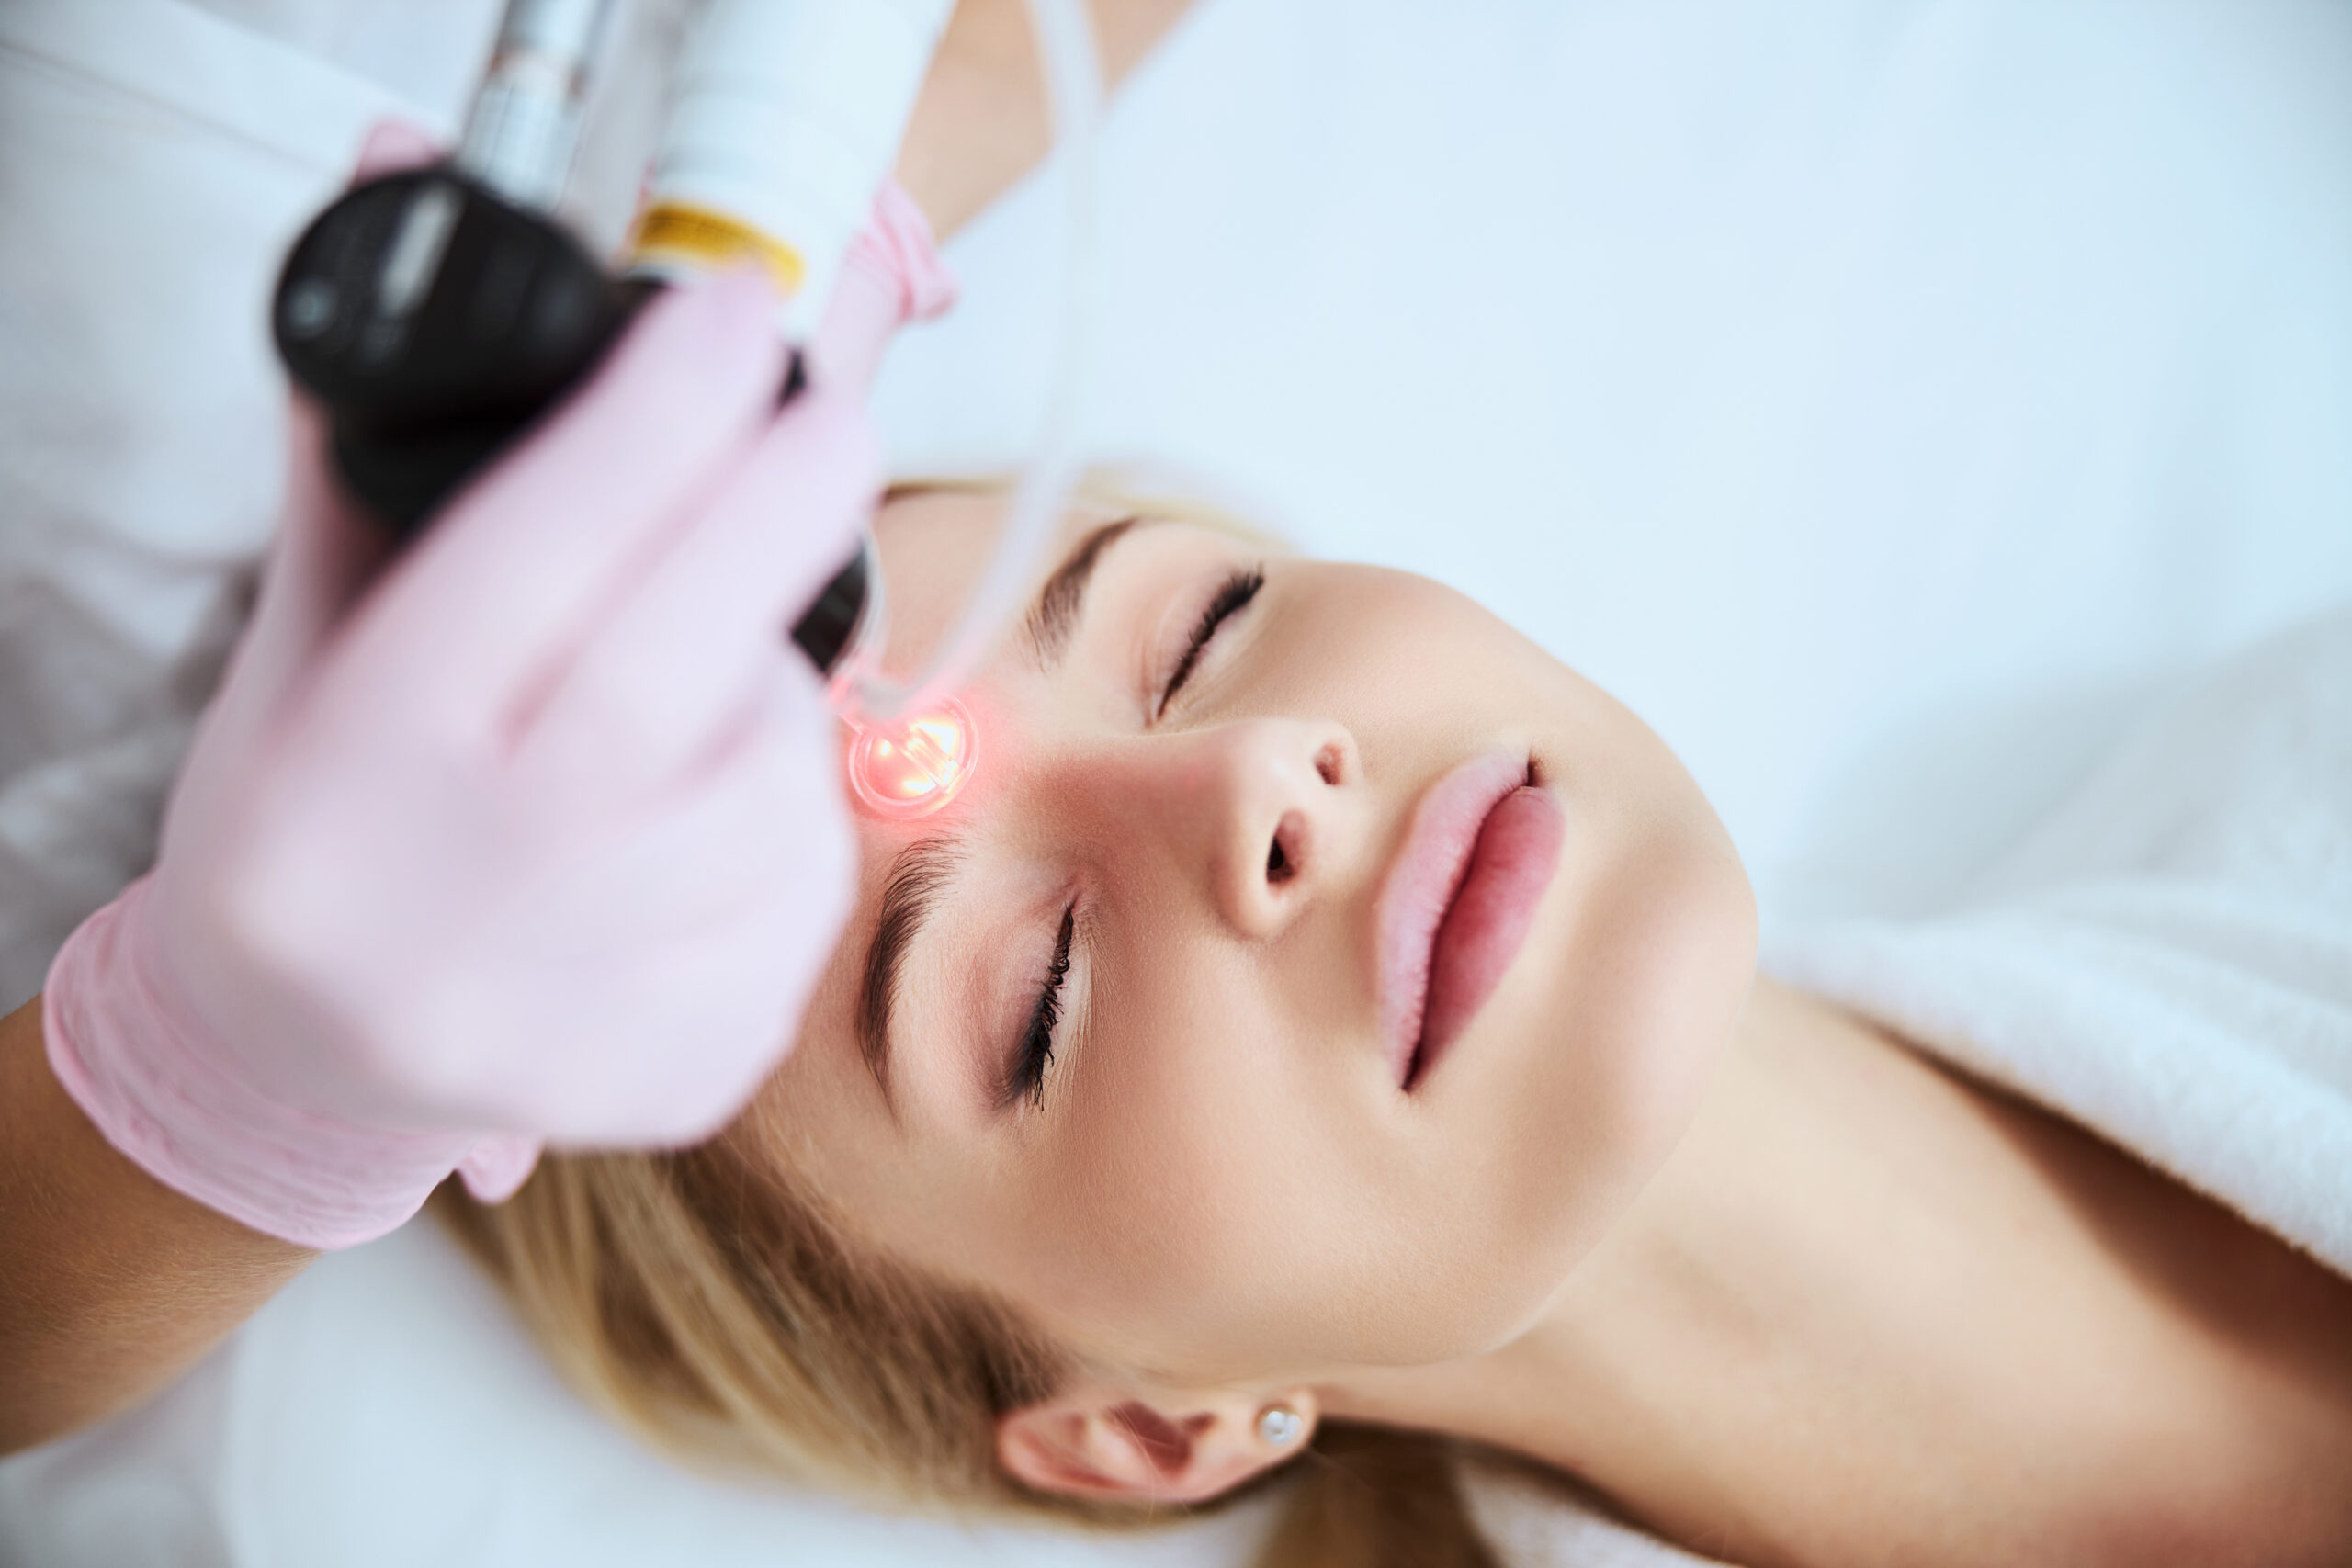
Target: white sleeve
{"x": 155, "y": 158}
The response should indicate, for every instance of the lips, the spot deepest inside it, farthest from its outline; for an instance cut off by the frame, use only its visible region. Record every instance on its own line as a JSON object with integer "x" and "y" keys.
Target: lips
{"x": 1481, "y": 848}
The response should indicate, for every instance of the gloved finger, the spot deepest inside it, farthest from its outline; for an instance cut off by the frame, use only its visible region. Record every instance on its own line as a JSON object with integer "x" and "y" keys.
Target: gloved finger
{"x": 728, "y": 906}
{"x": 325, "y": 551}
{"x": 651, "y": 1097}
{"x": 671, "y": 1112}
{"x": 655, "y": 689}
{"x": 328, "y": 549}
{"x": 390, "y": 145}
{"x": 739, "y": 991}
{"x": 481, "y": 613}
{"x": 770, "y": 811}
{"x": 323, "y": 555}
{"x": 495, "y": 1168}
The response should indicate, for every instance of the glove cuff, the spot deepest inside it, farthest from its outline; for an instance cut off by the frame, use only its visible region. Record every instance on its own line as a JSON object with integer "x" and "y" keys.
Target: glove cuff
{"x": 892, "y": 274}
{"x": 182, "y": 1107}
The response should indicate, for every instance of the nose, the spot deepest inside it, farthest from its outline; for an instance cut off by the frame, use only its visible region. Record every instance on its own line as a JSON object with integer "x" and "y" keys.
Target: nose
{"x": 1268, "y": 810}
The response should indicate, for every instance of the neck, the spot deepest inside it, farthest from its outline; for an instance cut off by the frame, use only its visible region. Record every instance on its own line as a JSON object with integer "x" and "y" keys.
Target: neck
{"x": 1686, "y": 1311}
{"x": 1867, "y": 1310}
{"x": 1826, "y": 1242}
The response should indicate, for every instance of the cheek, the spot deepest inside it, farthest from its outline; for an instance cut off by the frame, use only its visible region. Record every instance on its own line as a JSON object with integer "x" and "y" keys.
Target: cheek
{"x": 1172, "y": 1164}
{"x": 1235, "y": 1193}
{"x": 1664, "y": 946}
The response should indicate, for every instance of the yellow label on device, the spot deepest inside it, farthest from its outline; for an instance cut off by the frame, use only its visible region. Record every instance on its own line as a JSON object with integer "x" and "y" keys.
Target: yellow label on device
{"x": 674, "y": 233}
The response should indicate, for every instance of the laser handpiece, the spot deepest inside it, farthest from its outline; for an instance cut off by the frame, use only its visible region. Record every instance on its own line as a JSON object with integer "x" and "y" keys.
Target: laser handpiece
{"x": 436, "y": 312}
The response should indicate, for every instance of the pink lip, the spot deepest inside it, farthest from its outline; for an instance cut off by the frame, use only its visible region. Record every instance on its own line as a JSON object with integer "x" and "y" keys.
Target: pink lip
{"x": 1458, "y": 901}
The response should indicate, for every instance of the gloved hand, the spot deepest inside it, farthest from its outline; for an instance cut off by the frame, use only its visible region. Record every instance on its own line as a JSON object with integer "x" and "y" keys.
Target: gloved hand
{"x": 536, "y": 833}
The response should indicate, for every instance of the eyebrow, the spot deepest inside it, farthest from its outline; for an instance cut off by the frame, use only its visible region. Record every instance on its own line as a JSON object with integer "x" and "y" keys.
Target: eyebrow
{"x": 1056, "y": 614}
{"x": 922, "y": 871}
{"x": 919, "y": 878}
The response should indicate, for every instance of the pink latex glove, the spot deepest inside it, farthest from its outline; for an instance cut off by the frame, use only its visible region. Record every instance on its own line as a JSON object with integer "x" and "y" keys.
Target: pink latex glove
{"x": 541, "y": 837}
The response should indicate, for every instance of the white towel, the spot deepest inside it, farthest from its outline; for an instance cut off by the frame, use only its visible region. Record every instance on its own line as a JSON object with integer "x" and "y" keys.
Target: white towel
{"x": 2167, "y": 959}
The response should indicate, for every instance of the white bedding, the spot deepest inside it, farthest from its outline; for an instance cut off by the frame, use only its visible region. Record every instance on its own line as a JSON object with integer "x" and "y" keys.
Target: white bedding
{"x": 2167, "y": 957}
{"x": 1882, "y": 396}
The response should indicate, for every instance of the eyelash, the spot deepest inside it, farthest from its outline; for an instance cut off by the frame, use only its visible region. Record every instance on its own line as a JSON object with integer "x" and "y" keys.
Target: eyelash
{"x": 1232, "y": 598}
{"x": 1027, "y": 1079}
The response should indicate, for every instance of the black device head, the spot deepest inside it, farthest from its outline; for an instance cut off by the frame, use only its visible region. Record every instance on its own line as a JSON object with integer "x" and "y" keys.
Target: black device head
{"x": 436, "y": 321}
{"x": 422, "y": 295}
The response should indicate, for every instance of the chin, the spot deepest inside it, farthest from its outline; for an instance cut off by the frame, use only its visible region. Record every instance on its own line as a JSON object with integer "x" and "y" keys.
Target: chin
{"x": 1613, "y": 1062}
{"x": 1691, "y": 982}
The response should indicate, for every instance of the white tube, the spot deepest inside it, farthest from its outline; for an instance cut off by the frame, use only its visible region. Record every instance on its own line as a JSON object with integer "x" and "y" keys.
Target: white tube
{"x": 1074, "y": 91}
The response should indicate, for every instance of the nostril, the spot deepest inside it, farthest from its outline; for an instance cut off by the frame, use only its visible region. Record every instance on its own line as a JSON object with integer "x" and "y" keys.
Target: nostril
{"x": 1278, "y": 867}
{"x": 1287, "y": 854}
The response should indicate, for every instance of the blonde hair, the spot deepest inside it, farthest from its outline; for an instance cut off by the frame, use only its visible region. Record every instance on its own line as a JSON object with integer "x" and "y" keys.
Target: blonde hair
{"x": 708, "y": 1301}
{"x": 711, "y": 1306}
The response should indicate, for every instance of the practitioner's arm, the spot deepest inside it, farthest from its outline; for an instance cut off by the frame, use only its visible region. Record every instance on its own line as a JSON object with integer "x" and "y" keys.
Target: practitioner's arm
{"x": 116, "y": 1283}
{"x": 982, "y": 121}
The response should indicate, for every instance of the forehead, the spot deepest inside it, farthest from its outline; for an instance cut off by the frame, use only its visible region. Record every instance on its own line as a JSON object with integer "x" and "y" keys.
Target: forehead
{"x": 936, "y": 539}
{"x": 934, "y": 543}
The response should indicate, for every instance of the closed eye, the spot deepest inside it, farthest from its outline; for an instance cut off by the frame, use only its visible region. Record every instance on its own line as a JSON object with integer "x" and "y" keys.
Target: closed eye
{"x": 1232, "y": 598}
{"x": 1026, "y": 1077}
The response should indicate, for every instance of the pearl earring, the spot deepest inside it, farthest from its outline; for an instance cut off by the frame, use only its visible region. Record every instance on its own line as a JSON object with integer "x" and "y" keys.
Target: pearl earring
{"x": 1280, "y": 1425}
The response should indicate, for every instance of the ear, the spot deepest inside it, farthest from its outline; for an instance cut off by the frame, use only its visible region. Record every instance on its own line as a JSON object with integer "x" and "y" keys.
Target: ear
{"x": 1096, "y": 1441}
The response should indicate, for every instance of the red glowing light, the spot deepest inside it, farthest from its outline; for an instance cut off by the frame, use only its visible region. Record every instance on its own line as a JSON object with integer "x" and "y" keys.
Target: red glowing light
{"x": 913, "y": 767}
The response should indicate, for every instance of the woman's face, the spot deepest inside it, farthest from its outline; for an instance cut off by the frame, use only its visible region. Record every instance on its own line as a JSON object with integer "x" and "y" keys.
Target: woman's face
{"x": 1321, "y": 1012}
